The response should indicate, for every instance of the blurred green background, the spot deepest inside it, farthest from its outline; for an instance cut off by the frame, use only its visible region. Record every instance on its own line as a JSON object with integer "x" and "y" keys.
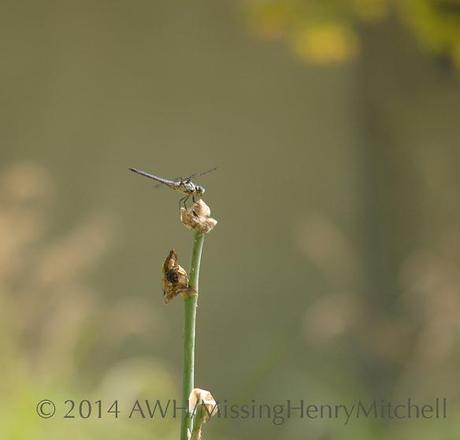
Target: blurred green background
{"x": 333, "y": 274}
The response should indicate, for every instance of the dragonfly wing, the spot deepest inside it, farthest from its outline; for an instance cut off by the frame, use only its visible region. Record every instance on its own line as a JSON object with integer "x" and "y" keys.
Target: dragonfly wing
{"x": 202, "y": 173}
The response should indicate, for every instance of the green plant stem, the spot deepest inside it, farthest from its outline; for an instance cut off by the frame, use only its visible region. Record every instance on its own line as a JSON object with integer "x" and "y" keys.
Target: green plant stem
{"x": 198, "y": 422}
{"x": 189, "y": 332}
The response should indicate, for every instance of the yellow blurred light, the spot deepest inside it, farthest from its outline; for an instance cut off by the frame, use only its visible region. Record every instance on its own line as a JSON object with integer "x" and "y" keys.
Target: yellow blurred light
{"x": 326, "y": 43}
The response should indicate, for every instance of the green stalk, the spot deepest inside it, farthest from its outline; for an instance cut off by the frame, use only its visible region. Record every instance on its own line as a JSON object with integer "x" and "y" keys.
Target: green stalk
{"x": 189, "y": 333}
{"x": 198, "y": 422}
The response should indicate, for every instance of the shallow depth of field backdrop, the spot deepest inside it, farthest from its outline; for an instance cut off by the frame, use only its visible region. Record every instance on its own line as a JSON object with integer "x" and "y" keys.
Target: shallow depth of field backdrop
{"x": 332, "y": 275}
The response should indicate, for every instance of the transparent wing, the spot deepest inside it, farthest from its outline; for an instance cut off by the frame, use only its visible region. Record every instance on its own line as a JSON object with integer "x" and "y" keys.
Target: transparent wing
{"x": 202, "y": 173}
{"x": 180, "y": 178}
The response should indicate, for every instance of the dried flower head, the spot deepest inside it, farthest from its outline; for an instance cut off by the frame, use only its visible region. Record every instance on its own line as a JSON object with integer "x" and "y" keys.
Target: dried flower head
{"x": 197, "y": 217}
{"x": 202, "y": 406}
{"x": 175, "y": 279}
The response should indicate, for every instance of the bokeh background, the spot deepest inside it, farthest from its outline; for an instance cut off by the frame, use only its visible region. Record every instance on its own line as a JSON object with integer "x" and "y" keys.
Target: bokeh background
{"x": 333, "y": 274}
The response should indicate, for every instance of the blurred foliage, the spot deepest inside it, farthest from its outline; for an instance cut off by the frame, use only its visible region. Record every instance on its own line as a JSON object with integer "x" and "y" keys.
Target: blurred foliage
{"x": 328, "y": 31}
{"x": 48, "y": 311}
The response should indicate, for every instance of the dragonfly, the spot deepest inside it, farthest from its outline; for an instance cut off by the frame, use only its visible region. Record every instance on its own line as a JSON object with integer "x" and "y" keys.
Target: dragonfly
{"x": 181, "y": 184}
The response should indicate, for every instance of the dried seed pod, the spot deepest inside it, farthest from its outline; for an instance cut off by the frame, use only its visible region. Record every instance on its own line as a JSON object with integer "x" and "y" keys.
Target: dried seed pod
{"x": 197, "y": 217}
{"x": 175, "y": 279}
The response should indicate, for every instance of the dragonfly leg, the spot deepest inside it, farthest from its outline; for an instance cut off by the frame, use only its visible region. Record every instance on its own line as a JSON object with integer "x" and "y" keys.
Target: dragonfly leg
{"x": 183, "y": 202}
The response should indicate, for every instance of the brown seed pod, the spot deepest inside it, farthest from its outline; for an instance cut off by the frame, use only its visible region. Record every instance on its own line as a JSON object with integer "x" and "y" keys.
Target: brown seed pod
{"x": 175, "y": 279}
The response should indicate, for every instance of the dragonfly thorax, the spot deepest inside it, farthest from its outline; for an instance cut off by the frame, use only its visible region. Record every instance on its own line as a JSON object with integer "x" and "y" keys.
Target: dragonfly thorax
{"x": 188, "y": 187}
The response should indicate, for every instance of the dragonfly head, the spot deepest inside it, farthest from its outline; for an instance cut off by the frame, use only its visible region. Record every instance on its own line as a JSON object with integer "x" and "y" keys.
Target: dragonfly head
{"x": 200, "y": 190}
